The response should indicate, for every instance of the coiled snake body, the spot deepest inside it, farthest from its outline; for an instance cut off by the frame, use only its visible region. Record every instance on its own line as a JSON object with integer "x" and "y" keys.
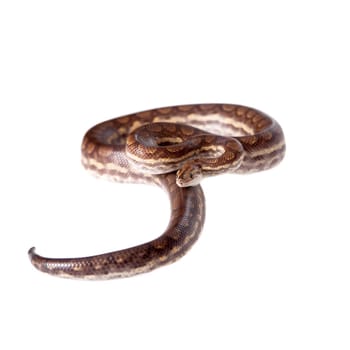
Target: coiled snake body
{"x": 174, "y": 148}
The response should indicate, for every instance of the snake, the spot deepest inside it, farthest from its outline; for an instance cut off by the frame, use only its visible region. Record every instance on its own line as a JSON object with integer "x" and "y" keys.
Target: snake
{"x": 174, "y": 148}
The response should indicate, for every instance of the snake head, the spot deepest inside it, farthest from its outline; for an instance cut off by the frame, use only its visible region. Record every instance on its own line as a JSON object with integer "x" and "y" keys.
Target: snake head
{"x": 190, "y": 174}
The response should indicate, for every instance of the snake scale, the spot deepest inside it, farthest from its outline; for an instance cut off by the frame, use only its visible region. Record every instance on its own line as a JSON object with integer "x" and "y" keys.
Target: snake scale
{"x": 174, "y": 148}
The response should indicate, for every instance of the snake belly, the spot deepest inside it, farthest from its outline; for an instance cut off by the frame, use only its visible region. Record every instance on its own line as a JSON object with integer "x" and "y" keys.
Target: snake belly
{"x": 104, "y": 154}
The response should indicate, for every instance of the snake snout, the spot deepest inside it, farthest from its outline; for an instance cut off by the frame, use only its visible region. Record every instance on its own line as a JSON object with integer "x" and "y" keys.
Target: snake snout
{"x": 190, "y": 174}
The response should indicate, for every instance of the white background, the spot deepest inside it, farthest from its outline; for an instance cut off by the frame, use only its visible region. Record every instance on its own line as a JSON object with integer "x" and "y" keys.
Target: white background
{"x": 272, "y": 267}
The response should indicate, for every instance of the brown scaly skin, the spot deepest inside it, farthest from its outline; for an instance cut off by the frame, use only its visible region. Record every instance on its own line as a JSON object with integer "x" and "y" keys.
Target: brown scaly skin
{"x": 253, "y": 142}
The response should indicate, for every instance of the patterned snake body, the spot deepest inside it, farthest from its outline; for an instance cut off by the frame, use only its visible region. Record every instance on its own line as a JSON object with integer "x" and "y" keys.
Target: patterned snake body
{"x": 174, "y": 148}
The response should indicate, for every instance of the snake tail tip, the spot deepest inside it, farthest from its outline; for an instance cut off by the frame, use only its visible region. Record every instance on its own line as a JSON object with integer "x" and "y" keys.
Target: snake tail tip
{"x": 31, "y": 252}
